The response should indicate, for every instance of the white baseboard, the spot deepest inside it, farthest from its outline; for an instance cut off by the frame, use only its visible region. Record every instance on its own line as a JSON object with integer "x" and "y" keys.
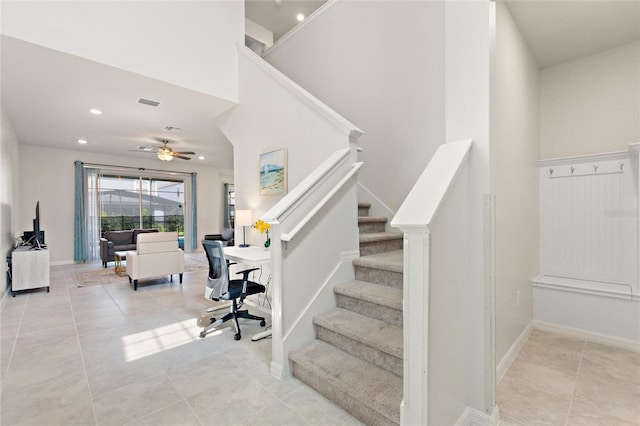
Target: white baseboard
{"x": 472, "y": 417}
{"x": 603, "y": 339}
{"x": 512, "y": 353}
{"x": 277, "y": 371}
{"x": 62, "y": 263}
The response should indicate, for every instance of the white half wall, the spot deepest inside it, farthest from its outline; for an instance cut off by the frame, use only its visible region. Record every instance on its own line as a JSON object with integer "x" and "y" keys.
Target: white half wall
{"x": 9, "y": 192}
{"x": 47, "y": 175}
{"x": 514, "y": 180}
{"x": 592, "y": 104}
{"x": 187, "y": 43}
{"x": 380, "y": 64}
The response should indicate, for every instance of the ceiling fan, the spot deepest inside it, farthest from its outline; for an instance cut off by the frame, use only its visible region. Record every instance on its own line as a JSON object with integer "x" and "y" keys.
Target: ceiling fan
{"x": 164, "y": 152}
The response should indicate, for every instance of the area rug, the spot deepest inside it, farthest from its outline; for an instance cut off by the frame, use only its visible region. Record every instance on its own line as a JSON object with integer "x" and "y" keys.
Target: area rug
{"x": 108, "y": 275}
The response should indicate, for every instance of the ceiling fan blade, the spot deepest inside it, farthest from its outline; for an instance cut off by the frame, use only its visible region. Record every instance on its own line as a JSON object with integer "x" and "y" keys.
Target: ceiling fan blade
{"x": 185, "y": 152}
{"x": 181, "y": 156}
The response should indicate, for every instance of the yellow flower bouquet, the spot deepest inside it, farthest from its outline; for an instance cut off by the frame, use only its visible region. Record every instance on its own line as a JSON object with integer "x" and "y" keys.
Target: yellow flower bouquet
{"x": 263, "y": 227}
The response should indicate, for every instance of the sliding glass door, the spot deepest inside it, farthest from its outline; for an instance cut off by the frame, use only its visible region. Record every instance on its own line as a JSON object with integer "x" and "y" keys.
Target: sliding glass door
{"x": 128, "y": 202}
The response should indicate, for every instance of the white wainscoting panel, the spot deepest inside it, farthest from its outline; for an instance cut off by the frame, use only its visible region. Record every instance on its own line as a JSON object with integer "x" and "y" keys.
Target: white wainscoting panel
{"x": 589, "y": 220}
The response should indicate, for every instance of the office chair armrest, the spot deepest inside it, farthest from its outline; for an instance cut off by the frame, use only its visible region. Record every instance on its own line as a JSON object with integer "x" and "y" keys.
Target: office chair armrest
{"x": 246, "y": 272}
{"x": 245, "y": 280}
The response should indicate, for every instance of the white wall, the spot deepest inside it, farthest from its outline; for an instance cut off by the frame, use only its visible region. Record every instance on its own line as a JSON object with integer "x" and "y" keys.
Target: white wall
{"x": 258, "y": 32}
{"x": 591, "y": 105}
{"x": 187, "y": 43}
{"x": 9, "y": 193}
{"x": 469, "y": 34}
{"x": 270, "y": 118}
{"x": 47, "y": 175}
{"x": 380, "y": 65}
{"x": 515, "y": 147}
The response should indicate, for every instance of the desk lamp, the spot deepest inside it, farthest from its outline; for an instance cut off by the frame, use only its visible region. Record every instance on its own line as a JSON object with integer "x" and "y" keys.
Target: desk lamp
{"x": 244, "y": 218}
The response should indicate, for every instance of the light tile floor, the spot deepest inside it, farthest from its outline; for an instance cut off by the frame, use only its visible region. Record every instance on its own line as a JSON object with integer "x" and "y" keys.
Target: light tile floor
{"x": 106, "y": 355}
{"x": 562, "y": 380}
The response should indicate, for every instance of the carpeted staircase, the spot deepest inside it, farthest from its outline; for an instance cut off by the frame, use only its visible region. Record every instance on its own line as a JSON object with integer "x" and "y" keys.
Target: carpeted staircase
{"x": 356, "y": 359}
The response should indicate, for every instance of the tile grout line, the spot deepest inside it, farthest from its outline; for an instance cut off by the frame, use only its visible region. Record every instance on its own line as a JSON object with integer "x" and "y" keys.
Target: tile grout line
{"x": 84, "y": 364}
{"x": 15, "y": 340}
{"x": 575, "y": 385}
{"x": 185, "y": 401}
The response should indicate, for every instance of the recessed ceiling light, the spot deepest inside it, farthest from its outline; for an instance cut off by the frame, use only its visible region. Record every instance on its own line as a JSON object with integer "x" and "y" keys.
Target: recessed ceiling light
{"x": 95, "y": 111}
{"x": 82, "y": 141}
{"x": 201, "y": 157}
{"x": 300, "y": 17}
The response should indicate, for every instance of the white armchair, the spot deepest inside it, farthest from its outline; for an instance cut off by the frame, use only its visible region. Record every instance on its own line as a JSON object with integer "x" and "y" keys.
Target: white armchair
{"x": 156, "y": 254}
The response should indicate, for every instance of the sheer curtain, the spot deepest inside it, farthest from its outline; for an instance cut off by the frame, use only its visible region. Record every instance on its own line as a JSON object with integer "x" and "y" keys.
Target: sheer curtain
{"x": 86, "y": 244}
{"x": 92, "y": 214}
{"x": 79, "y": 247}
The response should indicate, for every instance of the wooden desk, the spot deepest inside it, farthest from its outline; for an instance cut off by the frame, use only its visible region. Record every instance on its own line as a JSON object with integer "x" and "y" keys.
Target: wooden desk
{"x": 253, "y": 256}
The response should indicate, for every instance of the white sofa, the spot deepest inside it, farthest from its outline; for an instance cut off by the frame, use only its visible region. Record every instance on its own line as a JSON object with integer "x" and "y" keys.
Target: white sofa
{"x": 156, "y": 254}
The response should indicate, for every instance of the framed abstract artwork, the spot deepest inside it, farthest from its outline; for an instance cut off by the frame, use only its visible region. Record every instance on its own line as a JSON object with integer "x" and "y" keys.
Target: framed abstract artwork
{"x": 273, "y": 172}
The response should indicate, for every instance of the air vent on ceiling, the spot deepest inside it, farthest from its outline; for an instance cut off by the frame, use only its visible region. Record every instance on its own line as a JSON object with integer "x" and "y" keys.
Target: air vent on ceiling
{"x": 148, "y": 102}
{"x": 145, "y": 148}
{"x": 172, "y": 129}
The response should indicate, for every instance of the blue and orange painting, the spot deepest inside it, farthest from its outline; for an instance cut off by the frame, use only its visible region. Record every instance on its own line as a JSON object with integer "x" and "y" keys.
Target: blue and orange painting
{"x": 273, "y": 178}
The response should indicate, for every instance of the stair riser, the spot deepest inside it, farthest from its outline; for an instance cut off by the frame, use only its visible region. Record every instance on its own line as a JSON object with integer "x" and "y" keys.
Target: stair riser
{"x": 356, "y": 408}
{"x": 375, "y": 247}
{"x": 372, "y": 310}
{"x": 379, "y": 276}
{"x": 369, "y": 227}
{"x": 363, "y": 211}
{"x": 360, "y": 350}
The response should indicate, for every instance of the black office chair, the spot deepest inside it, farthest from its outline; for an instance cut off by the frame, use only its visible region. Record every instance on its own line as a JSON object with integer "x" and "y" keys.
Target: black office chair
{"x": 220, "y": 287}
{"x": 227, "y": 237}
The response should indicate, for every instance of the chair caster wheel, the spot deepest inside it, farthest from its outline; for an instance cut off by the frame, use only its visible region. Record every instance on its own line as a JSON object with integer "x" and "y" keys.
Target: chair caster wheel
{"x": 203, "y": 334}
{"x": 262, "y": 323}
{"x": 237, "y": 337}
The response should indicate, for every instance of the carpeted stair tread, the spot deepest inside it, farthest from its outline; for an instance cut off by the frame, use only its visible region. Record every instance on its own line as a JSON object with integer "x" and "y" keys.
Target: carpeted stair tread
{"x": 371, "y": 332}
{"x": 388, "y": 261}
{"x": 378, "y": 390}
{"x": 363, "y": 205}
{"x": 372, "y": 219}
{"x": 380, "y": 236}
{"x": 370, "y": 292}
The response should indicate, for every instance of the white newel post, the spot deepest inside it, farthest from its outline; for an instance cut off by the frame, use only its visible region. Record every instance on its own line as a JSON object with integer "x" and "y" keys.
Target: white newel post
{"x": 277, "y": 352}
{"x": 414, "y": 406}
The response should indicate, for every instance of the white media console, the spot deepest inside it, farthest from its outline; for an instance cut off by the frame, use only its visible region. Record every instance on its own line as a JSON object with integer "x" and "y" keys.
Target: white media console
{"x": 30, "y": 269}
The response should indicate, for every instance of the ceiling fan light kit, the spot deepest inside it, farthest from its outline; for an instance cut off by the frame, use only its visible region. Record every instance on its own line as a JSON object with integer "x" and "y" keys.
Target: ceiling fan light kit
{"x": 165, "y": 155}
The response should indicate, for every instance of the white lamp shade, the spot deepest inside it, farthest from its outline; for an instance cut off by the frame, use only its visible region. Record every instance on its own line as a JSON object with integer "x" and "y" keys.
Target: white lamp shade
{"x": 244, "y": 218}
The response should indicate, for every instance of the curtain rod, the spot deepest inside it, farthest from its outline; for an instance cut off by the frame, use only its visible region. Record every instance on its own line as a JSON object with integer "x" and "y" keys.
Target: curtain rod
{"x": 127, "y": 168}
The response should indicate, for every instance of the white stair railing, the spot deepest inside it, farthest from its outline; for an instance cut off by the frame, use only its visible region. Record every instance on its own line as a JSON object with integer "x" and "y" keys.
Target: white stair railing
{"x": 314, "y": 238}
{"x": 433, "y": 234}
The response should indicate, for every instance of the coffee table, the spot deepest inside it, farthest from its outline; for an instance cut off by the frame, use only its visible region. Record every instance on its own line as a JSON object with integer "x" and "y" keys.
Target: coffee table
{"x": 119, "y": 257}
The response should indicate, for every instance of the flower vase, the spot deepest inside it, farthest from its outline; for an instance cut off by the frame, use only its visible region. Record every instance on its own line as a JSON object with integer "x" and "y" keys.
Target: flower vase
{"x": 267, "y": 243}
